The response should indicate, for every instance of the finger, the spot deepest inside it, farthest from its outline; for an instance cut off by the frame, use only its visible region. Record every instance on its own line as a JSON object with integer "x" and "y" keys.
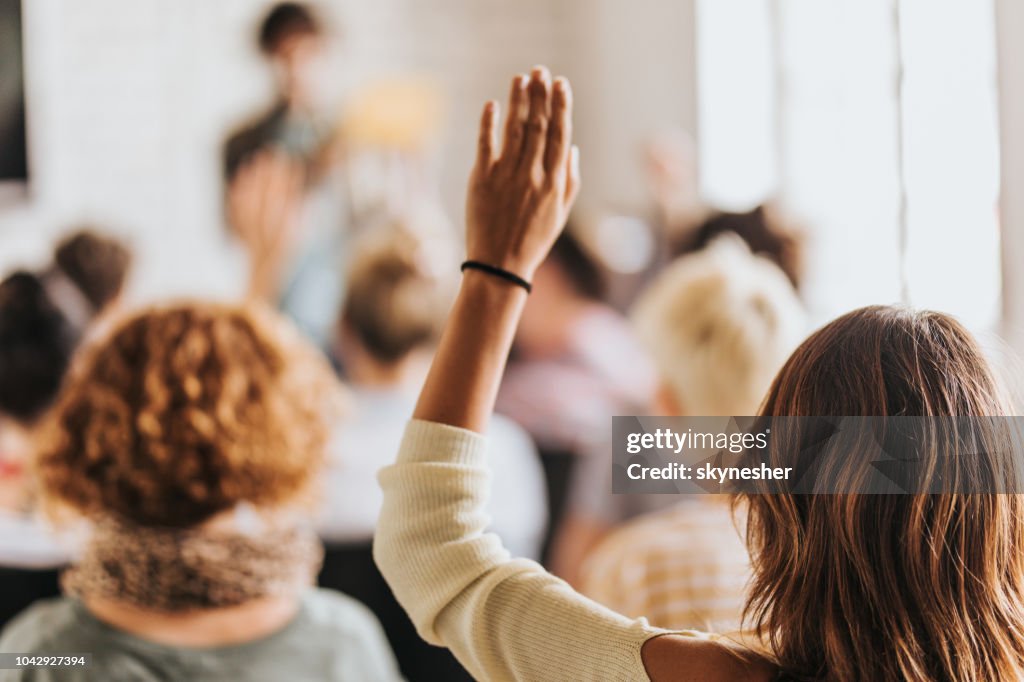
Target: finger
{"x": 560, "y": 127}
{"x": 513, "y": 143}
{"x": 539, "y": 91}
{"x": 260, "y": 175}
{"x": 296, "y": 191}
{"x": 236, "y": 204}
{"x": 272, "y": 188}
{"x": 572, "y": 183}
{"x": 275, "y": 183}
{"x": 244, "y": 198}
{"x": 279, "y": 194}
{"x": 487, "y": 144}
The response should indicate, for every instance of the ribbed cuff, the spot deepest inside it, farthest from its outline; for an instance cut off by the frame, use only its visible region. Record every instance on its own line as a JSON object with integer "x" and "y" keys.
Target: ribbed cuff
{"x": 426, "y": 441}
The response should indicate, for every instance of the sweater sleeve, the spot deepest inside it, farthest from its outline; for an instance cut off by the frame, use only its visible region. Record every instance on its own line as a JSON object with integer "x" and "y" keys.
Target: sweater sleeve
{"x": 503, "y": 618}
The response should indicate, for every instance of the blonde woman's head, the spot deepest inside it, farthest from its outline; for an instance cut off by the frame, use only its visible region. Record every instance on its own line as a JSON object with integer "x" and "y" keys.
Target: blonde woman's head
{"x": 719, "y": 324}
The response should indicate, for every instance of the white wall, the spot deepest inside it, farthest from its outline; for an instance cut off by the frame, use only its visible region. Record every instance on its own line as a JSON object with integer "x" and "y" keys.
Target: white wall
{"x": 129, "y": 101}
{"x": 1010, "y": 36}
{"x": 127, "y": 104}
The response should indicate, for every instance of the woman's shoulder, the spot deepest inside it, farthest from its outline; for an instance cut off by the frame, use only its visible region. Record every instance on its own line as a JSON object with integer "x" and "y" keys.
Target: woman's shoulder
{"x": 707, "y": 658}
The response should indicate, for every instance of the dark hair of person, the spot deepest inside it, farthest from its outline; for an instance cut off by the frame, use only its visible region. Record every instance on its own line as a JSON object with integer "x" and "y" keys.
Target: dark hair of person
{"x": 284, "y": 21}
{"x": 36, "y": 345}
{"x": 762, "y": 233}
{"x": 582, "y": 270}
{"x": 98, "y": 265}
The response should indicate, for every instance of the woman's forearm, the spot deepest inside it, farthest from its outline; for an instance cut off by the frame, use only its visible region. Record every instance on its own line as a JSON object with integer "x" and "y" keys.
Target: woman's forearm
{"x": 519, "y": 198}
{"x": 463, "y": 381}
{"x": 505, "y": 619}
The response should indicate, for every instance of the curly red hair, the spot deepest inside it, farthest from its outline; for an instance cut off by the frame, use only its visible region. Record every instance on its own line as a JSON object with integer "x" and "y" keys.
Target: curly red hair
{"x": 184, "y": 412}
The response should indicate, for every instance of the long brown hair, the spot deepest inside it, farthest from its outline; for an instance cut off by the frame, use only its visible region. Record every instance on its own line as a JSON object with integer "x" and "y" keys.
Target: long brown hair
{"x": 888, "y": 587}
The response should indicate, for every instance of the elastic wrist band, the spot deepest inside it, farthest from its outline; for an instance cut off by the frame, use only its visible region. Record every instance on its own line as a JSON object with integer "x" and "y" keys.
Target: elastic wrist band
{"x": 497, "y": 272}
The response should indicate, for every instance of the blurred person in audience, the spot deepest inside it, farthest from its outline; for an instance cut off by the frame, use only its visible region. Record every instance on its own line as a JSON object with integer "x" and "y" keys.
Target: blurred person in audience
{"x": 399, "y": 291}
{"x": 690, "y": 223}
{"x": 592, "y": 510}
{"x": 389, "y": 325}
{"x": 285, "y": 162}
{"x": 89, "y": 274}
{"x": 36, "y": 344}
{"x": 719, "y": 324}
{"x": 45, "y": 317}
{"x": 764, "y": 229}
{"x": 575, "y": 361}
{"x": 42, "y": 320}
{"x": 189, "y": 438}
{"x": 846, "y": 587}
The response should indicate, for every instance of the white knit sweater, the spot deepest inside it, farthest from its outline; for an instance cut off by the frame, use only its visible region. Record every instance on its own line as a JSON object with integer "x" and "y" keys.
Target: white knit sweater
{"x": 503, "y": 618}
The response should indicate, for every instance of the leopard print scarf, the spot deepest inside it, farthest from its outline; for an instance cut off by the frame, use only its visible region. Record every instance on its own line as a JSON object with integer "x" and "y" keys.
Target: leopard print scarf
{"x": 175, "y": 570}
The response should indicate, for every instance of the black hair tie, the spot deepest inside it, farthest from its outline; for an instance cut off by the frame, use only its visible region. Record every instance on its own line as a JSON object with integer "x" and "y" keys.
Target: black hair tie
{"x": 497, "y": 272}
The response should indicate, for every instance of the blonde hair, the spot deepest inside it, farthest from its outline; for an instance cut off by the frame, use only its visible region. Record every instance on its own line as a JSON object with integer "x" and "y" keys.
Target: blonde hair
{"x": 719, "y": 324}
{"x": 396, "y": 300}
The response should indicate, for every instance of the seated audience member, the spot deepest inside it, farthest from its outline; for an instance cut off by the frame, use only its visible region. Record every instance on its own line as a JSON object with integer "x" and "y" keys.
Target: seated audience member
{"x": 36, "y": 344}
{"x": 96, "y": 267}
{"x": 719, "y": 324}
{"x": 388, "y": 329}
{"x": 763, "y": 229}
{"x": 47, "y": 314}
{"x": 189, "y": 438}
{"x": 575, "y": 360}
{"x": 845, "y": 587}
{"x": 690, "y": 224}
{"x": 389, "y": 325}
{"x": 42, "y": 319}
{"x": 591, "y": 509}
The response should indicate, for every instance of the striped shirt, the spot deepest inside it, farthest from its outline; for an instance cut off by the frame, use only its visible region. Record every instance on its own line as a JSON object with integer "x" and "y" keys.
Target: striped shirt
{"x": 686, "y": 567}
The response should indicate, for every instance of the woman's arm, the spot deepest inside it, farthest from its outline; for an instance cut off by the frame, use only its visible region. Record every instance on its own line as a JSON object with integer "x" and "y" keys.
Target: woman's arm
{"x": 518, "y": 201}
{"x": 504, "y": 618}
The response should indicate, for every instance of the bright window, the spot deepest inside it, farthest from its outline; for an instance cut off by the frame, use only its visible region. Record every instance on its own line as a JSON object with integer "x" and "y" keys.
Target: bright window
{"x": 874, "y": 122}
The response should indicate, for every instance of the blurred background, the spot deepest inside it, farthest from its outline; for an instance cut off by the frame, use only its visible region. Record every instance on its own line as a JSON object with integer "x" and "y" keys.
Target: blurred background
{"x": 874, "y": 124}
{"x": 315, "y": 155}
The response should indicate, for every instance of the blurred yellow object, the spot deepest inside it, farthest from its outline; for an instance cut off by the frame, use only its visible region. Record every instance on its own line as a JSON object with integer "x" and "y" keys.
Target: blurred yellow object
{"x": 402, "y": 113}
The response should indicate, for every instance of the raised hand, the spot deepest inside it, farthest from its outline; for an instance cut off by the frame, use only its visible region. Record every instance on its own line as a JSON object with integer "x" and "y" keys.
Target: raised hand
{"x": 520, "y": 194}
{"x": 264, "y": 202}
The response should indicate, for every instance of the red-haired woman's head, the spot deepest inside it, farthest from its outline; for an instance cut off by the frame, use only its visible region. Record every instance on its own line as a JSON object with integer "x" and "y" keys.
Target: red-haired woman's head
{"x": 186, "y": 411}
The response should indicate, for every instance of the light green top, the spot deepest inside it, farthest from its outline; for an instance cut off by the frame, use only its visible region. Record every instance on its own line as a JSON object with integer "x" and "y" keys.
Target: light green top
{"x": 332, "y": 638}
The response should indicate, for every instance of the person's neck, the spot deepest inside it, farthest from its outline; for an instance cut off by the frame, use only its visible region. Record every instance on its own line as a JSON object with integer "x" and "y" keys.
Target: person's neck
{"x": 218, "y": 627}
